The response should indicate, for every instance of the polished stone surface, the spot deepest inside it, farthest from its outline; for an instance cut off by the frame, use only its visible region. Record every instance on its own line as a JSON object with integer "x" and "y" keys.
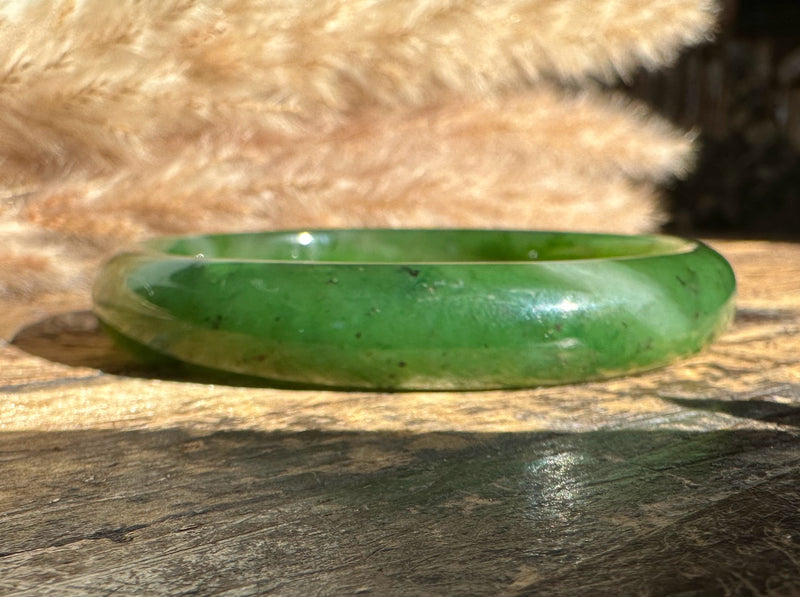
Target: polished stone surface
{"x": 418, "y": 309}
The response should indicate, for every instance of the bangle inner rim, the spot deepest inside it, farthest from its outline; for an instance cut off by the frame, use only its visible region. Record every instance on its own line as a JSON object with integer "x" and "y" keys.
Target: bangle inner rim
{"x": 418, "y": 246}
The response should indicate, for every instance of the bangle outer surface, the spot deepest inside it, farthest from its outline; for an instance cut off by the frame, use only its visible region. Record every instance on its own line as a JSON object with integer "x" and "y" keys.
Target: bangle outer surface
{"x": 466, "y": 310}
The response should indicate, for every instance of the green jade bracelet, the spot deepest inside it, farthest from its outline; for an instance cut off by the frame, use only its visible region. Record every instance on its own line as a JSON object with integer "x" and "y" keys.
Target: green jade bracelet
{"x": 418, "y": 309}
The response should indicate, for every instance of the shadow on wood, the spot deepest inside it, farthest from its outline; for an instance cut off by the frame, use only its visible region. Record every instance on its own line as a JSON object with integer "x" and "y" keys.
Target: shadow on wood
{"x": 77, "y": 339}
{"x": 74, "y": 338}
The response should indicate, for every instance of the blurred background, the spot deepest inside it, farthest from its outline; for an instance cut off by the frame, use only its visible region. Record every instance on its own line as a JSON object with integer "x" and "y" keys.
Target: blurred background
{"x": 742, "y": 92}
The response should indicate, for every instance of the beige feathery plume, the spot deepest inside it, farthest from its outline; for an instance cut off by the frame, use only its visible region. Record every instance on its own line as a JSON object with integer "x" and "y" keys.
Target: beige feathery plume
{"x": 125, "y": 119}
{"x": 85, "y": 84}
{"x": 431, "y": 166}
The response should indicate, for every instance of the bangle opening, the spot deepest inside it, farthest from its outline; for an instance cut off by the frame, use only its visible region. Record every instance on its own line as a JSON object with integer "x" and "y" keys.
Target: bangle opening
{"x": 419, "y": 246}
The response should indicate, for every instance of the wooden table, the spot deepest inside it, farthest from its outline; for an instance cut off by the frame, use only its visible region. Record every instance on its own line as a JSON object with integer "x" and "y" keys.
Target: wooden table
{"x": 684, "y": 480}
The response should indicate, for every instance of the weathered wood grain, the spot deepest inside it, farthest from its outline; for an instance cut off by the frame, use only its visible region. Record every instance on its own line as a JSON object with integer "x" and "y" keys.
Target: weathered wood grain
{"x": 121, "y": 480}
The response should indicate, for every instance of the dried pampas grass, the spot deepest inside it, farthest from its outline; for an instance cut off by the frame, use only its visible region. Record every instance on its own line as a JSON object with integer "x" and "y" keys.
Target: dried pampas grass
{"x": 125, "y": 119}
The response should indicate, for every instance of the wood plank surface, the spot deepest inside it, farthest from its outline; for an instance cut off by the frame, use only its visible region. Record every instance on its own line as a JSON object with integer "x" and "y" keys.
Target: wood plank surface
{"x": 117, "y": 479}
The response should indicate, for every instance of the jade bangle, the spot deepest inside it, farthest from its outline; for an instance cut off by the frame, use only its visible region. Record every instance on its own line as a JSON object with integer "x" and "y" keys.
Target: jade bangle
{"x": 418, "y": 309}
